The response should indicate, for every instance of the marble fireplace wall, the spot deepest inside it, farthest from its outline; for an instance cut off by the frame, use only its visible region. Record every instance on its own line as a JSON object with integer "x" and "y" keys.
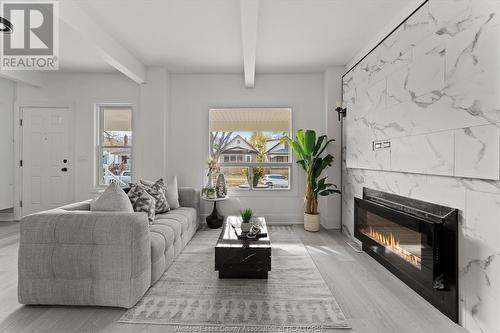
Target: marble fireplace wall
{"x": 432, "y": 89}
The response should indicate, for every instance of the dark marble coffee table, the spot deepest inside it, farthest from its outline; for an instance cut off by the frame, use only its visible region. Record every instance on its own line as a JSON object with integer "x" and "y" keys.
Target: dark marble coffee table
{"x": 236, "y": 258}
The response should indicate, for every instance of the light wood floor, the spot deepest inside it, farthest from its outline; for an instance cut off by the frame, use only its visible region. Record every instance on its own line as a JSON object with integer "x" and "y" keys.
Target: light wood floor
{"x": 373, "y": 300}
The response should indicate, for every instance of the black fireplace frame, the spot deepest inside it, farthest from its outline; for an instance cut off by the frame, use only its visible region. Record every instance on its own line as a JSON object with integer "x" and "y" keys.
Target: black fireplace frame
{"x": 437, "y": 280}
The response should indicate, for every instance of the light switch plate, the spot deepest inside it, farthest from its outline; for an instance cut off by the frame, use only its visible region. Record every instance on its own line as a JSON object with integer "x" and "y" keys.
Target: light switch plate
{"x": 381, "y": 144}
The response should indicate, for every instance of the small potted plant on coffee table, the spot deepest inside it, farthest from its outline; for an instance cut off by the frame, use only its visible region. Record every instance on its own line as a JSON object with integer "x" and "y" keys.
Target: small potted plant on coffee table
{"x": 246, "y": 216}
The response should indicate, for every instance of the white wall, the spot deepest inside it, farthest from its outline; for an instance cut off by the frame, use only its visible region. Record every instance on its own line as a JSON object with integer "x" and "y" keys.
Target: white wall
{"x": 81, "y": 92}
{"x": 331, "y": 219}
{"x": 171, "y": 126}
{"x": 150, "y": 125}
{"x": 6, "y": 143}
{"x": 191, "y": 98}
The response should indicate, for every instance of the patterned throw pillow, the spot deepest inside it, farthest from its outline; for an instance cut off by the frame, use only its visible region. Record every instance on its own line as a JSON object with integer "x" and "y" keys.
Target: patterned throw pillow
{"x": 157, "y": 191}
{"x": 142, "y": 201}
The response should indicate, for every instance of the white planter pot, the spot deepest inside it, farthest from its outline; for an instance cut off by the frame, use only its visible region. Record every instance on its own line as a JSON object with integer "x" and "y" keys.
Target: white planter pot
{"x": 311, "y": 222}
{"x": 245, "y": 227}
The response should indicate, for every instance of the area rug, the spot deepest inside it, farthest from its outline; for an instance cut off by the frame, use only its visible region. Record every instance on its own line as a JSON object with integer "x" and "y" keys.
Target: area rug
{"x": 190, "y": 292}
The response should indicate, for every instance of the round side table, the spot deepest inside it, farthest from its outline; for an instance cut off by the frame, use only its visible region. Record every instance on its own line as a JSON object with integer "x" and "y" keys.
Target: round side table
{"x": 215, "y": 220}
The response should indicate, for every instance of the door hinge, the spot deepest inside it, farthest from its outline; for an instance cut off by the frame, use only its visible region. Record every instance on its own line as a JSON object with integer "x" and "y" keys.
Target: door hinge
{"x": 20, "y": 163}
{"x": 20, "y": 203}
{"x": 20, "y": 122}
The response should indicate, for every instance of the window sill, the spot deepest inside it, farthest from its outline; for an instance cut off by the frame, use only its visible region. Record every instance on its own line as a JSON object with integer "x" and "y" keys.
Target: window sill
{"x": 262, "y": 193}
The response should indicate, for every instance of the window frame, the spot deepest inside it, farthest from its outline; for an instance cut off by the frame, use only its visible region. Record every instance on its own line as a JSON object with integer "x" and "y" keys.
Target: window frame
{"x": 99, "y": 123}
{"x": 251, "y": 165}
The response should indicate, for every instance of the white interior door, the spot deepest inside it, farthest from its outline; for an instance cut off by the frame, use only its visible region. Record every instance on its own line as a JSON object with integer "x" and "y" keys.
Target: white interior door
{"x": 45, "y": 159}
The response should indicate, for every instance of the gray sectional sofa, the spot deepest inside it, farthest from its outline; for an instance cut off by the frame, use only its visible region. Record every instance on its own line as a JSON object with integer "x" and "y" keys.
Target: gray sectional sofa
{"x": 74, "y": 256}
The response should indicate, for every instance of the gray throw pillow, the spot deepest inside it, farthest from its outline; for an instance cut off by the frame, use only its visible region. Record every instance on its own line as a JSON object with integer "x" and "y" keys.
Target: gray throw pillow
{"x": 112, "y": 199}
{"x": 157, "y": 190}
{"x": 172, "y": 193}
{"x": 142, "y": 201}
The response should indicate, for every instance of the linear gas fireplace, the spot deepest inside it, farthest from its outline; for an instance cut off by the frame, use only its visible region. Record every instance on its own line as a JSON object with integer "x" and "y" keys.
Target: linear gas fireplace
{"x": 416, "y": 240}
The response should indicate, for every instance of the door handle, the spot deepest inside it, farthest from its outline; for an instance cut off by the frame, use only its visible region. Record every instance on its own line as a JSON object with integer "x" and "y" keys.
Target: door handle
{"x": 64, "y": 169}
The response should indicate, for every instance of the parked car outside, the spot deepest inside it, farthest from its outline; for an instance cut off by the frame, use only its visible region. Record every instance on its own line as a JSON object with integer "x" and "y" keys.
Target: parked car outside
{"x": 275, "y": 180}
{"x": 126, "y": 176}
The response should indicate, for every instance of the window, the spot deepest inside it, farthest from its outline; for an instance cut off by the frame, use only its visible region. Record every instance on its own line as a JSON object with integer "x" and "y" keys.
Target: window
{"x": 247, "y": 144}
{"x": 114, "y": 151}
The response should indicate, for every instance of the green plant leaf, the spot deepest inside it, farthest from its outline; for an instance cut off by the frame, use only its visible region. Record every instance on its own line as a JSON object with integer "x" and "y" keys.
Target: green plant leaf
{"x": 302, "y": 163}
{"x": 328, "y": 192}
{"x": 325, "y": 162}
{"x": 321, "y": 184}
{"x": 298, "y": 150}
{"x": 309, "y": 150}
{"x": 318, "y": 144}
{"x": 299, "y": 135}
{"x": 286, "y": 139}
{"x": 309, "y": 142}
{"x": 324, "y": 147}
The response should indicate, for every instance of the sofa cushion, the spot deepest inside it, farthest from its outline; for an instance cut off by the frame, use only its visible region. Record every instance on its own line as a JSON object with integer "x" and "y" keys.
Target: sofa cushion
{"x": 180, "y": 216}
{"x": 113, "y": 199}
{"x": 190, "y": 213}
{"x": 142, "y": 201}
{"x": 166, "y": 232}
{"x": 176, "y": 226}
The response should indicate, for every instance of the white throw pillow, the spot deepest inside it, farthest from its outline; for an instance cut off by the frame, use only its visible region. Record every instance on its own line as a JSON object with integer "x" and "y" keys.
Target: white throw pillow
{"x": 172, "y": 193}
{"x": 113, "y": 199}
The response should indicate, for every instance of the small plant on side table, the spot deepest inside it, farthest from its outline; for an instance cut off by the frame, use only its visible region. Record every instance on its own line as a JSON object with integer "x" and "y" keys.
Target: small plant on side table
{"x": 209, "y": 192}
{"x": 246, "y": 216}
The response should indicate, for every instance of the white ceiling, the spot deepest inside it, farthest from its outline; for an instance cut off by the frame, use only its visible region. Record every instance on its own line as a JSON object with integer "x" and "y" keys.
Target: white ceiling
{"x": 204, "y": 36}
{"x": 76, "y": 55}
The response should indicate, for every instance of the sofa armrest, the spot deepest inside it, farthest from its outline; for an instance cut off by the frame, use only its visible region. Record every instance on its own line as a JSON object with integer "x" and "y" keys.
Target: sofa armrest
{"x": 84, "y": 258}
{"x": 189, "y": 197}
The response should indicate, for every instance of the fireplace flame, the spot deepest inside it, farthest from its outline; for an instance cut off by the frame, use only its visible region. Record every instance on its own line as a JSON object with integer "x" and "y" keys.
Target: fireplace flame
{"x": 392, "y": 243}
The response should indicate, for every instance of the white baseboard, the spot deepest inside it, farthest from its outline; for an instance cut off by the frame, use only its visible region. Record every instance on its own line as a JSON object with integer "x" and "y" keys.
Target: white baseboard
{"x": 6, "y": 217}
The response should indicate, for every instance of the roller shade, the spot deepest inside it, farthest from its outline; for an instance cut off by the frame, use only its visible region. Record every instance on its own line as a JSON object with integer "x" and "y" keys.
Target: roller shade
{"x": 117, "y": 119}
{"x": 250, "y": 119}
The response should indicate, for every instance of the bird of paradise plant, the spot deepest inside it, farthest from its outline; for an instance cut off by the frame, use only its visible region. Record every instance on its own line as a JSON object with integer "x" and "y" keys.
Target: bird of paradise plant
{"x": 309, "y": 150}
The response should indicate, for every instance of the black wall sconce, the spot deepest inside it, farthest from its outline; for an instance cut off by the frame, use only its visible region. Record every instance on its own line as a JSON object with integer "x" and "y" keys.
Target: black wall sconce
{"x": 341, "y": 110}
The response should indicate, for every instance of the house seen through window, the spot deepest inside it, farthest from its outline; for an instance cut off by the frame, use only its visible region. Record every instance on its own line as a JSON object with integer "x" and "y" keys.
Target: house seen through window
{"x": 114, "y": 156}
{"x": 247, "y": 144}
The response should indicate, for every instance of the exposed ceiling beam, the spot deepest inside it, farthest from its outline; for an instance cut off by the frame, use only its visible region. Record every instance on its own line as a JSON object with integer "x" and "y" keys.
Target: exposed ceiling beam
{"x": 249, "y": 27}
{"x": 108, "y": 48}
{"x": 28, "y": 77}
